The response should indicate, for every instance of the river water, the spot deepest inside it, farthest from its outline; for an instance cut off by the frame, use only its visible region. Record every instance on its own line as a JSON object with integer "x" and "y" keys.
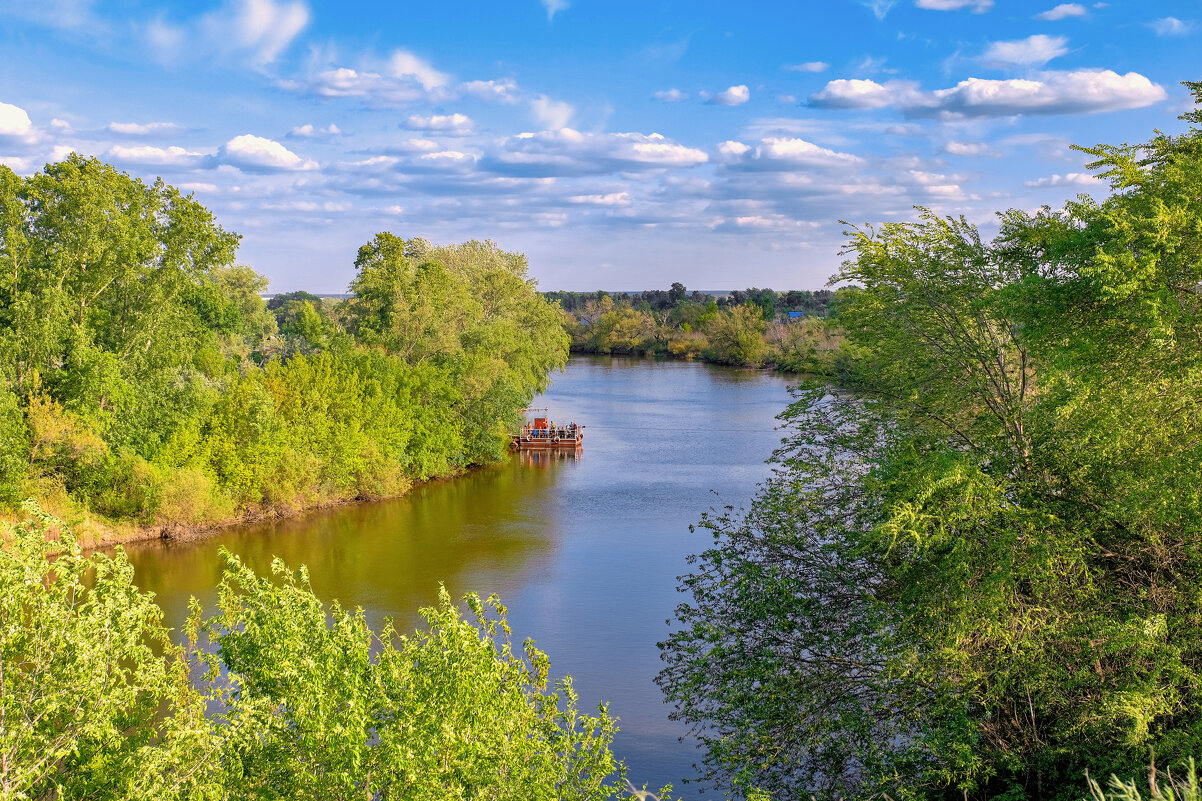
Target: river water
{"x": 585, "y": 552}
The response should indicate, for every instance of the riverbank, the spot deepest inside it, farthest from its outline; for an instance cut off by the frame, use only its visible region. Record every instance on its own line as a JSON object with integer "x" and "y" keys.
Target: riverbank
{"x": 97, "y": 532}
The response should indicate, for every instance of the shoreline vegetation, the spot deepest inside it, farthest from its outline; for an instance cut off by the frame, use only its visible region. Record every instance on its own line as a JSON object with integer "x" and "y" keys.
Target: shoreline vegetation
{"x": 976, "y": 571}
{"x": 148, "y": 386}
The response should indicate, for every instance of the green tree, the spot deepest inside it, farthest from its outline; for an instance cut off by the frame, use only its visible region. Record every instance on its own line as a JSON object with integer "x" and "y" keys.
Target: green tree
{"x": 1004, "y": 516}
{"x": 294, "y": 700}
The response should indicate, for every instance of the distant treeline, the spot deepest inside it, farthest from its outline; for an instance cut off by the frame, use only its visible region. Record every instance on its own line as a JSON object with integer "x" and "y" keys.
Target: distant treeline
{"x": 143, "y": 377}
{"x": 751, "y": 327}
{"x": 772, "y": 302}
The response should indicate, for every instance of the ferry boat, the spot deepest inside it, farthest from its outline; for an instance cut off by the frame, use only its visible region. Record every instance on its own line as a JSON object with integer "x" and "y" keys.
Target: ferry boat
{"x": 543, "y": 433}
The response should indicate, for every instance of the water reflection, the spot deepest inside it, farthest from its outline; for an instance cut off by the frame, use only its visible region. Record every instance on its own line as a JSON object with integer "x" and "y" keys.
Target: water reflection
{"x": 584, "y": 548}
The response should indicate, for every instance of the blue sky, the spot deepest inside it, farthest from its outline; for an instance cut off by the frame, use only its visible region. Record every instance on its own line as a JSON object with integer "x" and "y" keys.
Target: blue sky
{"x": 620, "y": 145}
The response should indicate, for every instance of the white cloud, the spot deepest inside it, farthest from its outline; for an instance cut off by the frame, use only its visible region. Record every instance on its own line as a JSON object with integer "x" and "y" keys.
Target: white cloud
{"x": 954, "y": 148}
{"x": 860, "y": 93}
{"x": 21, "y": 166}
{"x": 782, "y": 153}
{"x": 258, "y": 29}
{"x": 809, "y": 66}
{"x": 879, "y": 7}
{"x": 309, "y": 131}
{"x": 569, "y": 152}
{"x": 403, "y": 64}
{"x": 142, "y": 129}
{"x": 159, "y": 156}
{"x": 371, "y": 87}
{"x": 1069, "y": 179}
{"x": 60, "y": 126}
{"x": 977, "y": 6}
{"x": 504, "y": 90}
{"x": 1063, "y": 11}
{"x": 1080, "y": 92}
{"x": 1035, "y": 50}
{"x": 197, "y": 187}
{"x": 15, "y": 125}
{"x": 256, "y": 154}
{"x": 610, "y": 199}
{"x": 447, "y": 160}
{"x": 552, "y": 114}
{"x": 733, "y": 96}
{"x": 450, "y": 124}
{"x": 372, "y": 164}
{"x": 554, "y": 6}
{"x": 670, "y": 96}
{"x": 1171, "y": 26}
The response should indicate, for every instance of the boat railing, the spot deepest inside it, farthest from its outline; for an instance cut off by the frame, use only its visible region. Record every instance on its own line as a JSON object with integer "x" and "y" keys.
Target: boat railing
{"x": 553, "y": 433}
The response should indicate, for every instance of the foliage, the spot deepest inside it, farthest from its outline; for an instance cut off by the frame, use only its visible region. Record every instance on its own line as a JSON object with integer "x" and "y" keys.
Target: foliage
{"x": 96, "y": 699}
{"x": 296, "y": 700}
{"x": 674, "y": 323}
{"x": 145, "y": 376}
{"x": 979, "y": 573}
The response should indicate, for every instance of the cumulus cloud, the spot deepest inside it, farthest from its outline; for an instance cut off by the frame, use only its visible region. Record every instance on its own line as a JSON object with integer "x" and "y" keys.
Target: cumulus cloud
{"x": 309, "y": 131}
{"x": 15, "y": 125}
{"x": 1171, "y": 26}
{"x": 404, "y": 78}
{"x": 1080, "y": 92}
{"x": 856, "y": 93}
{"x": 976, "y": 6}
{"x": 954, "y": 148}
{"x": 552, "y": 114}
{"x": 1070, "y": 179}
{"x": 1035, "y": 50}
{"x": 372, "y": 88}
{"x": 809, "y": 66}
{"x": 1063, "y": 11}
{"x": 670, "y": 96}
{"x": 255, "y": 154}
{"x": 142, "y": 129}
{"x": 733, "y": 96}
{"x": 782, "y": 153}
{"x": 569, "y": 152}
{"x": 449, "y": 124}
{"x": 504, "y": 90}
{"x": 159, "y": 156}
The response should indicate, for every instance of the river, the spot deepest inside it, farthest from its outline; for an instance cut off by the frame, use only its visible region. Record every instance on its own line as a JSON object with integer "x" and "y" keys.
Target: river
{"x": 585, "y": 552}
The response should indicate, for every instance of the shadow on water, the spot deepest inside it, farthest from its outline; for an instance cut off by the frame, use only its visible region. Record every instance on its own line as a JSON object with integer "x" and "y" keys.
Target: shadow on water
{"x": 584, "y": 549}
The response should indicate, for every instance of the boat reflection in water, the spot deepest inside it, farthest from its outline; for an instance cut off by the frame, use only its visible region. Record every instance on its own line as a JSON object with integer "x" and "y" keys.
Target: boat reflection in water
{"x": 544, "y": 457}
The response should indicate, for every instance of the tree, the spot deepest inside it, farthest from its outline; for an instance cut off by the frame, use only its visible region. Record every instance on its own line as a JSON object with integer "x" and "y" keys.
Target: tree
{"x": 294, "y": 700}
{"x": 978, "y": 575}
{"x": 737, "y": 336}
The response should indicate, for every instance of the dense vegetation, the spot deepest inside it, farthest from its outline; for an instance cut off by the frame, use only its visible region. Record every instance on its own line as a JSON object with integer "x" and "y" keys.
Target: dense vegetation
{"x": 750, "y": 328}
{"x": 145, "y": 379}
{"x": 289, "y": 699}
{"x": 977, "y": 571}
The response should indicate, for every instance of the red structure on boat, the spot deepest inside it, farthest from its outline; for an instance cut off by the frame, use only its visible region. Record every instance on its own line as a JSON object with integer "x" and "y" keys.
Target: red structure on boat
{"x": 543, "y": 433}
